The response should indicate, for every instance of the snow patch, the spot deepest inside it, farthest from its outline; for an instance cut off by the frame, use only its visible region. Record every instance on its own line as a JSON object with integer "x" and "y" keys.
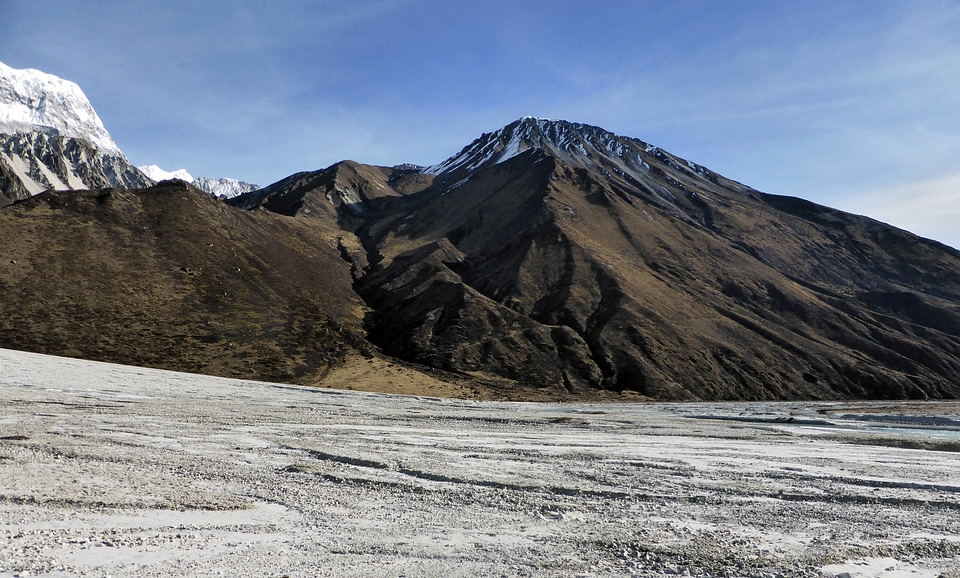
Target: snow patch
{"x": 158, "y": 174}
{"x": 22, "y": 170}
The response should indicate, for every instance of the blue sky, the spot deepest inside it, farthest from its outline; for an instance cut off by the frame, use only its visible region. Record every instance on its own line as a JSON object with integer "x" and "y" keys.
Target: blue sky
{"x": 852, "y": 104}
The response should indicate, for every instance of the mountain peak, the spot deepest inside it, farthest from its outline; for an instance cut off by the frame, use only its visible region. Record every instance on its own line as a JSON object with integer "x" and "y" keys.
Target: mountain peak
{"x": 223, "y": 187}
{"x": 577, "y": 144}
{"x": 158, "y": 174}
{"x": 37, "y": 101}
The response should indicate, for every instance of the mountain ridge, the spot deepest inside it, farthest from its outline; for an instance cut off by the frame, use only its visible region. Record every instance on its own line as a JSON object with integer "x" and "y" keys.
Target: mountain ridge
{"x": 52, "y": 138}
{"x": 623, "y": 267}
{"x": 545, "y": 260}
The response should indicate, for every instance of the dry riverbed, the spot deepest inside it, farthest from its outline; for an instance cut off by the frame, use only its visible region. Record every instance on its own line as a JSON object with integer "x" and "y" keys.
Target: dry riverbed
{"x": 111, "y": 470}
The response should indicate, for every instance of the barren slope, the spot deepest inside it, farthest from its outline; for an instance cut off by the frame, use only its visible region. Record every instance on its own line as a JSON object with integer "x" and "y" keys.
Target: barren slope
{"x": 170, "y": 277}
{"x": 547, "y": 260}
{"x": 620, "y": 266}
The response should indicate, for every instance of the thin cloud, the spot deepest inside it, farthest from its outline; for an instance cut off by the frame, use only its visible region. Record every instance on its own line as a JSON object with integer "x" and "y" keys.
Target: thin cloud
{"x": 819, "y": 99}
{"x": 929, "y": 208}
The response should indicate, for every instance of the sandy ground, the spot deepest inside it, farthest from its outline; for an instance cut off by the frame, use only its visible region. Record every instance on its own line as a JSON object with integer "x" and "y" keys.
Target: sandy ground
{"x": 111, "y": 470}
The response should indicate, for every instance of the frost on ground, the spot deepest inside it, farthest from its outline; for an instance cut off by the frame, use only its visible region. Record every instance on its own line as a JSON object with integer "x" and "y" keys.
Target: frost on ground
{"x": 111, "y": 470}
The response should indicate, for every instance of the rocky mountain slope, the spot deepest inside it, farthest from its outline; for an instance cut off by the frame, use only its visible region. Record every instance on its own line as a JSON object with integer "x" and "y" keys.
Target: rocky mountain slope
{"x": 52, "y": 138}
{"x": 36, "y": 161}
{"x": 547, "y": 259}
{"x": 563, "y": 255}
{"x": 171, "y": 277}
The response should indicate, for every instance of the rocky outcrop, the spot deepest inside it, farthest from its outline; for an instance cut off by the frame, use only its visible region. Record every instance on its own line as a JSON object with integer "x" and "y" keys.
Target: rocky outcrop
{"x": 34, "y": 162}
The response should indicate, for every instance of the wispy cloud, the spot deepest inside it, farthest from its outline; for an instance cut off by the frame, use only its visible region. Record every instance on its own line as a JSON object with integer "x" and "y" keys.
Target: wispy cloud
{"x": 820, "y": 99}
{"x": 929, "y": 208}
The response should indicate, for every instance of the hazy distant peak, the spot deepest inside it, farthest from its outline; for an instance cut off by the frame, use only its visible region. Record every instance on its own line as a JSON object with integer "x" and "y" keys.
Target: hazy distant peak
{"x": 158, "y": 174}
{"x": 224, "y": 187}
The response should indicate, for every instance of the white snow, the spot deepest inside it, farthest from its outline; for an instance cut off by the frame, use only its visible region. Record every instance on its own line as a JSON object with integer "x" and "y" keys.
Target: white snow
{"x": 158, "y": 174}
{"x": 52, "y": 178}
{"x": 34, "y": 100}
{"x": 511, "y": 149}
{"x": 223, "y": 187}
{"x": 472, "y": 157}
{"x": 74, "y": 181}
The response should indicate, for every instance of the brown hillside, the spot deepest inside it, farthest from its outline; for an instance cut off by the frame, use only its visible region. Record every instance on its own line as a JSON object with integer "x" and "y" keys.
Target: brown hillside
{"x": 546, "y": 260}
{"x": 170, "y": 277}
{"x": 675, "y": 283}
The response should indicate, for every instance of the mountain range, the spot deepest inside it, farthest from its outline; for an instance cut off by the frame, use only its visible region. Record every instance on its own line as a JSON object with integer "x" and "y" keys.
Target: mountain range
{"x": 222, "y": 187}
{"x": 547, "y": 259}
{"x": 52, "y": 138}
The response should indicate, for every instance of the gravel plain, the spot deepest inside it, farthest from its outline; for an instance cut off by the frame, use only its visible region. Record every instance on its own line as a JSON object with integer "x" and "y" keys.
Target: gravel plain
{"x": 108, "y": 470}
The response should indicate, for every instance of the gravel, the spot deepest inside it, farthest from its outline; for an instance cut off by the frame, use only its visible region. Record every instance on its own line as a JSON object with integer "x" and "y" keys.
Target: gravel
{"x": 121, "y": 471}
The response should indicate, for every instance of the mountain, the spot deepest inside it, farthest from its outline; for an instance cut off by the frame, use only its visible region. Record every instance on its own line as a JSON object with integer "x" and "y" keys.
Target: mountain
{"x": 157, "y": 174}
{"x": 51, "y": 138}
{"x": 560, "y": 254}
{"x": 546, "y": 260}
{"x": 171, "y": 277}
{"x": 224, "y": 187}
{"x": 37, "y": 101}
{"x": 36, "y": 161}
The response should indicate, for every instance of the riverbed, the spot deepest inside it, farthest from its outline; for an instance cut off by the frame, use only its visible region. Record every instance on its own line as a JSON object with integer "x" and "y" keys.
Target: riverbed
{"x": 124, "y": 471}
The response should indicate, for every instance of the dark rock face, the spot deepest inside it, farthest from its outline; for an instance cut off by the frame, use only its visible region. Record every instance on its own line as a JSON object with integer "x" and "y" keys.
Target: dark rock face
{"x": 620, "y": 266}
{"x": 37, "y": 161}
{"x": 546, "y": 255}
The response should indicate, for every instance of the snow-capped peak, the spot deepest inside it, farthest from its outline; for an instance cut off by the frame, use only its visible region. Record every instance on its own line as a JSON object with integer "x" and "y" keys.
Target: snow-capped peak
{"x": 36, "y": 101}
{"x": 575, "y": 143}
{"x": 158, "y": 174}
{"x": 224, "y": 187}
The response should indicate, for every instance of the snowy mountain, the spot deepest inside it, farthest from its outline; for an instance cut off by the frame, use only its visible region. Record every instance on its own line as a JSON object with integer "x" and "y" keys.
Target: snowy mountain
{"x": 226, "y": 188}
{"x": 33, "y": 162}
{"x": 37, "y": 101}
{"x": 51, "y": 138}
{"x": 577, "y": 145}
{"x": 158, "y": 174}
